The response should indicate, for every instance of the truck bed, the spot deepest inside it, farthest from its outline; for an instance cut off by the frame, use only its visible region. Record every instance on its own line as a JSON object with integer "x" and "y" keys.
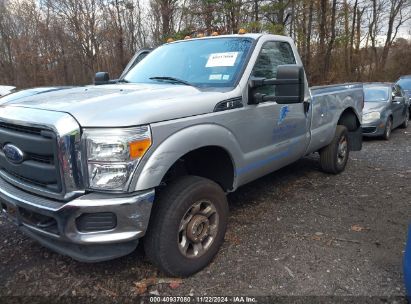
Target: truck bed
{"x": 327, "y": 104}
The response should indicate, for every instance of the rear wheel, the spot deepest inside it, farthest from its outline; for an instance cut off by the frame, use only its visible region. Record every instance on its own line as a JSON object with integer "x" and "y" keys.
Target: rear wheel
{"x": 334, "y": 157}
{"x": 187, "y": 227}
{"x": 406, "y": 120}
{"x": 388, "y": 129}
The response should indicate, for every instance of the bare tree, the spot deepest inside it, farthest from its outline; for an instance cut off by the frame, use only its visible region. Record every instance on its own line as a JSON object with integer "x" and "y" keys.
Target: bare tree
{"x": 48, "y": 42}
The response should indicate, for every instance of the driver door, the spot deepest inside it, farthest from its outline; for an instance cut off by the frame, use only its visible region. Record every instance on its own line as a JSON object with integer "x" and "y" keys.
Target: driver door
{"x": 277, "y": 134}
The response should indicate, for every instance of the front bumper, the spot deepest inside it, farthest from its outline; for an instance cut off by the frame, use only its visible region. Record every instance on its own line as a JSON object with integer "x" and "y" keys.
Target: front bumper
{"x": 55, "y": 224}
{"x": 375, "y": 128}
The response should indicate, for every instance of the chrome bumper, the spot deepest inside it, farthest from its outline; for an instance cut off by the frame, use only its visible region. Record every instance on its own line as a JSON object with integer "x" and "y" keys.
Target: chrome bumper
{"x": 132, "y": 213}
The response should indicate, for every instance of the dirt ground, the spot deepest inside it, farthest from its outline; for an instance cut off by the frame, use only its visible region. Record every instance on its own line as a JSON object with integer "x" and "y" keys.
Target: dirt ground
{"x": 296, "y": 232}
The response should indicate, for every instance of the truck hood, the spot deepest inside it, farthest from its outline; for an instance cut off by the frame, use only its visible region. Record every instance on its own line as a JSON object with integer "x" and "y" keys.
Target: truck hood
{"x": 374, "y": 106}
{"x": 123, "y": 104}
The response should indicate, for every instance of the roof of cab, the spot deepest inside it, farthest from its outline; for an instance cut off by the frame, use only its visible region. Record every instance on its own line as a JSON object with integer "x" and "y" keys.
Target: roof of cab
{"x": 378, "y": 84}
{"x": 254, "y": 36}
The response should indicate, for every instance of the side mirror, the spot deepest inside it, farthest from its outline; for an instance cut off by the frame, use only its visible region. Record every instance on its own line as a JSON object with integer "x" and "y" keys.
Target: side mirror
{"x": 292, "y": 92}
{"x": 101, "y": 78}
{"x": 289, "y": 86}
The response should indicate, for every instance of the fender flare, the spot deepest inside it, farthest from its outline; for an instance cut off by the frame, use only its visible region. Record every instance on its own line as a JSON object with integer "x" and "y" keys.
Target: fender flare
{"x": 154, "y": 168}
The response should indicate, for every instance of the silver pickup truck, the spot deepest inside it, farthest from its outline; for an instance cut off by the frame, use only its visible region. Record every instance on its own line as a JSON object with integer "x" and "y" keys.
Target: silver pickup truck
{"x": 90, "y": 171}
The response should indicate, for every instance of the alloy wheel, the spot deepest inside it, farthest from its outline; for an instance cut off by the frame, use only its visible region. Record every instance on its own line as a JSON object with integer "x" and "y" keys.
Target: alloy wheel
{"x": 342, "y": 150}
{"x": 198, "y": 229}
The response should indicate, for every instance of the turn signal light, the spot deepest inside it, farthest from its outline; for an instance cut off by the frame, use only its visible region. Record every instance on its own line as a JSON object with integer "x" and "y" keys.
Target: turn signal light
{"x": 138, "y": 148}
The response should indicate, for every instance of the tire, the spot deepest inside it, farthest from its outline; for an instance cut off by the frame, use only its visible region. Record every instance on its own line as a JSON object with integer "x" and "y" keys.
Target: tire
{"x": 334, "y": 157}
{"x": 184, "y": 203}
{"x": 350, "y": 121}
{"x": 406, "y": 121}
{"x": 388, "y": 129}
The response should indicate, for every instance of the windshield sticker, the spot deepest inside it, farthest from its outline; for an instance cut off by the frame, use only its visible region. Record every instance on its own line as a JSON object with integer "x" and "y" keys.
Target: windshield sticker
{"x": 222, "y": 59}
{"x": 215, "y": 77}
{"x": 226, "y": 77}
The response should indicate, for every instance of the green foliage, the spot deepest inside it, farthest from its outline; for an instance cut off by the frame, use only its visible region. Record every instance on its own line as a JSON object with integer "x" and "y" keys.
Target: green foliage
{"x": 180, "y": 35}
{"x": 252, "y": 27}
{"x": 277, "y": 29}
{"x": 342, "y": 40}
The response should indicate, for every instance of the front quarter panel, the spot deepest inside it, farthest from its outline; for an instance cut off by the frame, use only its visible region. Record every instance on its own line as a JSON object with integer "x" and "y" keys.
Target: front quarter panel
{"x": 385, "y": 113}
{"x": 168, "y": 149}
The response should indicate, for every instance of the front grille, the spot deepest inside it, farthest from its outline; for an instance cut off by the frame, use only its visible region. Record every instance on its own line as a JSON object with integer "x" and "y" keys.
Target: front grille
{"x": 369, "y": 129}
{"x": 23, "y": 129}
{"x": 39, "y": 167}
{"x": 48, "y": 159}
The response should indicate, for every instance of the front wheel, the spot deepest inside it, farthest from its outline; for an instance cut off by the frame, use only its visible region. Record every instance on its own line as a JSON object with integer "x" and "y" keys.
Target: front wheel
{"x": 406, "y": 120}
{"x": 388, "y": 129}
{"x": 334, "y": 157}
{"x": 187, "y": 226}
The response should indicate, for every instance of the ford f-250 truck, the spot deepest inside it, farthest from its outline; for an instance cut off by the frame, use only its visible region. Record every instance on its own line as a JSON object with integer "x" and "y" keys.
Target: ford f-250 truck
{"x": 90, "y": 171}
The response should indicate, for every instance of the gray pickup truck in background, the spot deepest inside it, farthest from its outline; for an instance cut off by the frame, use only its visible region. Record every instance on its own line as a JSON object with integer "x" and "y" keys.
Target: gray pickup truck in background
{"x": 90, "y": 171}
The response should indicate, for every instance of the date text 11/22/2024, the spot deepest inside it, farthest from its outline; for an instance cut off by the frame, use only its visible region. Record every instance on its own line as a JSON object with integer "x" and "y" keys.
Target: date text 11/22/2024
{"x": 202, "y": 299}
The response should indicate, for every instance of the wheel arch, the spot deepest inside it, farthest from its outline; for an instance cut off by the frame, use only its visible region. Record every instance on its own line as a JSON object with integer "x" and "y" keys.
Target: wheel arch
{"x": 351, "y": 120}
{"x": 212, "y": 162}
{"x": 212, "y": 147}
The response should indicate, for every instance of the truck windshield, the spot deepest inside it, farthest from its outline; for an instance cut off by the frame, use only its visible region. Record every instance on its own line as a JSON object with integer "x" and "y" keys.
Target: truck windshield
{"x": 375, "y": 94}
{"x": 204, "y": 62}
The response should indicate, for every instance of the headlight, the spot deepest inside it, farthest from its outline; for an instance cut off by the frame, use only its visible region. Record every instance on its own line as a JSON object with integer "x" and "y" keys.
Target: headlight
{"x": 369, "y": 117}
{"x": 113, "y": 154}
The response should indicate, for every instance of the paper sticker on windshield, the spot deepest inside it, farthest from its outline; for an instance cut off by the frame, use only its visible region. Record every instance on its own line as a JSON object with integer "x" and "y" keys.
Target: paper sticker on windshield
{"x": 221, "y": 59}
{"x": 215, "y": 77}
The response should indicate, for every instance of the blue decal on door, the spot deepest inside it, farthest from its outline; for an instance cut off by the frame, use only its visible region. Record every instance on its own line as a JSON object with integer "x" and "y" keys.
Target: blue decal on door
{"x": 283, "y": 114}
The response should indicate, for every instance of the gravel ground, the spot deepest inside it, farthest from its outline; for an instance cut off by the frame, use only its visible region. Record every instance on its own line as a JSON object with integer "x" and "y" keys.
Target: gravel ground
{"x": 296, "y": 232}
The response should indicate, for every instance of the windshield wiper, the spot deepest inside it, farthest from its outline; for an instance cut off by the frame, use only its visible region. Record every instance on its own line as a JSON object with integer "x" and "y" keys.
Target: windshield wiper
{"x": 172, "y": 79}
{"x": 123, "y": 81}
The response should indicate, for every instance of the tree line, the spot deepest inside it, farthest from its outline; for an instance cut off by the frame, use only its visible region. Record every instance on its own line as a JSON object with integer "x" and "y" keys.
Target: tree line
{"x": 64, "y": 42}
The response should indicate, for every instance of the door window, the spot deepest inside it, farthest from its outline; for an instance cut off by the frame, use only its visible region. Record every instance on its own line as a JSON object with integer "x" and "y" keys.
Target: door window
{"x": 396, "y": 92}
{"x": 272, "y": 54}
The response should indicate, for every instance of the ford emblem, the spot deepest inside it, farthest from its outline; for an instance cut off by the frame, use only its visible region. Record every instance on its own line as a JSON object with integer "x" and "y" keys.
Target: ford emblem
{"x": 13, "y": 154}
